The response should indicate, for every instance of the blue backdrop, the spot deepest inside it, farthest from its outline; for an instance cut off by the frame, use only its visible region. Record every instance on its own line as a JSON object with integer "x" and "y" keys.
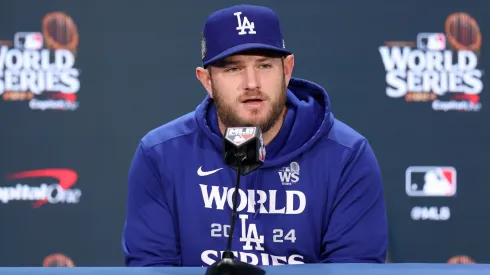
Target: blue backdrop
{"x": 82, "y": 81}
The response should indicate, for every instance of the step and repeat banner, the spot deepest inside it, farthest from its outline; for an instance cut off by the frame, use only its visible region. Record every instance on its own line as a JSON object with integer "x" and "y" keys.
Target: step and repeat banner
{"x": 82, "y": 81}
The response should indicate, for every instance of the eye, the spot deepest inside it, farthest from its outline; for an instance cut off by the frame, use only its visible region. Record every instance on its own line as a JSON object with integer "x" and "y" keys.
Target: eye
{"x": 265, "y": 66}
{"x": 231, "y": 69}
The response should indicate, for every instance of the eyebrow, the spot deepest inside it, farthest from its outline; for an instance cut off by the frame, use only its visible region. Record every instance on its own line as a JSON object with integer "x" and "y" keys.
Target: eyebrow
{"x": 229, "y": 62}
{"x": 265, "y": 58}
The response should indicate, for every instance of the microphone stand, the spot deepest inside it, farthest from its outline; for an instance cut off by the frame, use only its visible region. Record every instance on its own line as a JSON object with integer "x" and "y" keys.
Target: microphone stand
{"x": 228, "y": 265}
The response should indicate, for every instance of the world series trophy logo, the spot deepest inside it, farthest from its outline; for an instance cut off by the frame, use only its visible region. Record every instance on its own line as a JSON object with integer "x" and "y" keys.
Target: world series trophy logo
{"x": 60, "y": 32}
{"x": 58, "y": 260}
{"x": 440, "y": 68}
{"x": 38, "y": 65}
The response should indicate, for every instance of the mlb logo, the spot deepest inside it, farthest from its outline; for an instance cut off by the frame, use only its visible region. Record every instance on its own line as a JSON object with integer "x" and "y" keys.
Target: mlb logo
{"x": 239, "y": 135}
{"x": 28, "y": 40}
{"x": 430, "y": 181}
{"x": 431, "y": 41}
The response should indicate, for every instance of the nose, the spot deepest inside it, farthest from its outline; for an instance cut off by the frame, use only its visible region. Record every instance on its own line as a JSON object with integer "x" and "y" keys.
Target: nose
{"x": 251, "y": 79}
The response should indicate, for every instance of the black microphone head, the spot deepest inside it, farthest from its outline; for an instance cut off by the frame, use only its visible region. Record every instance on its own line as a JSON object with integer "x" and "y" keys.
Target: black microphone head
{"x": 244, "y": 148}
{"x": 233, "y": 267}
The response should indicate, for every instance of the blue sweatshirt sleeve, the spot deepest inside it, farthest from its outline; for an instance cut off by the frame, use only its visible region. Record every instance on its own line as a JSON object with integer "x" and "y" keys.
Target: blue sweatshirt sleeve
{"x": 149, "y": 237}
{"x": 357, "y": 231}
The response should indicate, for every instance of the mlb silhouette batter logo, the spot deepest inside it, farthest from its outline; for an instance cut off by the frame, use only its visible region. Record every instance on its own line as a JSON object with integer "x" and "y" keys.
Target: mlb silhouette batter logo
{"x": 430, "y": 181}
{"x": 239, "y": 135}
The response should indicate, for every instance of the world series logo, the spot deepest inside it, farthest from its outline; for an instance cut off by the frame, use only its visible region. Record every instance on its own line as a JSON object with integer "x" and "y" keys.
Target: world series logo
{"x": 39, "y": 66}
{"x": 440, "y": 68}
{"x": 253, "y": 242}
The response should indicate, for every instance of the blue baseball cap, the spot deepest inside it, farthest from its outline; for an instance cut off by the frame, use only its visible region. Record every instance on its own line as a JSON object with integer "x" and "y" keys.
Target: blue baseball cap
{"x": 241, "y": 28}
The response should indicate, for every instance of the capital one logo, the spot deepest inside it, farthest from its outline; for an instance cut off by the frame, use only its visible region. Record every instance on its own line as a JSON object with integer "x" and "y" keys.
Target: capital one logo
{"x": 245, "y": 24}
{"x": 53, "y": 187}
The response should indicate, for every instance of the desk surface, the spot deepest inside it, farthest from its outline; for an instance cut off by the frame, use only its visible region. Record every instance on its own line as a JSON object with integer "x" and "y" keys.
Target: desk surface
{"x": 327, "y": 269}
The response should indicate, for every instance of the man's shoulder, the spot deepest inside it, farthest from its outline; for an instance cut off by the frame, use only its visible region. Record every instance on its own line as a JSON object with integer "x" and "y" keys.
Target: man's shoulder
{"x": 344, "y": 135}
{"x": 179, "y": 127}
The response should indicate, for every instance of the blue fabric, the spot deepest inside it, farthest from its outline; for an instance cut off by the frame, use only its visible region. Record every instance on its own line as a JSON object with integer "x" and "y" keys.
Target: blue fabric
{"x": 318, "y": 197}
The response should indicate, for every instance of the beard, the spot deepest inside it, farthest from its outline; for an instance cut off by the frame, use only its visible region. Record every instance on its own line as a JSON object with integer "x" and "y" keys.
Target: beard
{"x": 230, "y": 118}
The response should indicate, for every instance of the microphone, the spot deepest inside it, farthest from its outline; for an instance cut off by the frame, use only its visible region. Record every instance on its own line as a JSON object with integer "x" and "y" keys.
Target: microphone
{"x": 244, "y": 151}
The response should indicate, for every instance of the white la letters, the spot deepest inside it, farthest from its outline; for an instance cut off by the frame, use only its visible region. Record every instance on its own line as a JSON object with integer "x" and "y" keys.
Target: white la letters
{"x": 242, "y": 26}
{"x": 250, "y": 235}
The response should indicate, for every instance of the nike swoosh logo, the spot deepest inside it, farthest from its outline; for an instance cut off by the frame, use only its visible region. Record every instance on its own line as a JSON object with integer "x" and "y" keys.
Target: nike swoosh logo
{"x": 202, "y": 173}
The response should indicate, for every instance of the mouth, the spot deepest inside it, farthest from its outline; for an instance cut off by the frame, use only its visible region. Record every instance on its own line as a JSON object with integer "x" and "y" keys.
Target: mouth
{"x": 253, "y": 100}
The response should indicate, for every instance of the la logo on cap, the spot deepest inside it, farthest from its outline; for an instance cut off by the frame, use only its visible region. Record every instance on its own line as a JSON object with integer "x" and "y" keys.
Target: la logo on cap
{"x": 242, "y": 26}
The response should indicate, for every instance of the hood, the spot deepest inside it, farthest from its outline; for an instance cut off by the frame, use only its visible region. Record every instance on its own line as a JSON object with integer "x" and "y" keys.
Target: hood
{"x": 308, "y": 119}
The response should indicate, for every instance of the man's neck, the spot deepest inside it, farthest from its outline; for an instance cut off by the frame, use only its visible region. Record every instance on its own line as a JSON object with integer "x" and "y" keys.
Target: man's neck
{"x": 267, "y": 136}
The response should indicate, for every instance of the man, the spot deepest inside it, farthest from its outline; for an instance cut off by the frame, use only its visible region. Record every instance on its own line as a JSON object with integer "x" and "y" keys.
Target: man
{"x": 318, "y": 197}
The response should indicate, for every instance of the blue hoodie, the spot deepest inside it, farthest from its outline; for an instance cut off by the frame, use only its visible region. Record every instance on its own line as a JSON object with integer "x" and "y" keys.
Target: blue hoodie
{"x": 318, "y": 197}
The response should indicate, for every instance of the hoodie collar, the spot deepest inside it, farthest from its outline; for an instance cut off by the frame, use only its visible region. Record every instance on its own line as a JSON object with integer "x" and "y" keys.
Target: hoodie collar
{"x": 308, "y": 118}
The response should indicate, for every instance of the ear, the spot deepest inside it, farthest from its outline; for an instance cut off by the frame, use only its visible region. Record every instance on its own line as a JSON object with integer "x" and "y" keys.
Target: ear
{"x": 204, "y": 76}
{"x": 288, "y": 68}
